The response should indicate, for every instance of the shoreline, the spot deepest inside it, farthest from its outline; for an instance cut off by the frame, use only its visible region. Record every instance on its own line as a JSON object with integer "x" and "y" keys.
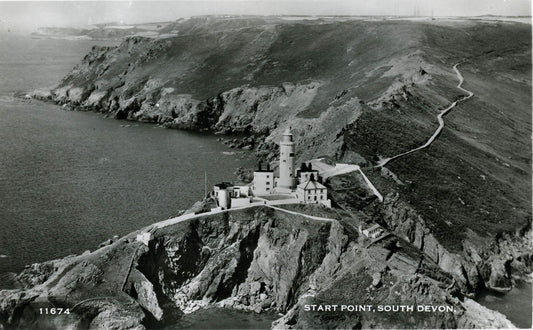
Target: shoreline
{"x": 205, "y": 132}
{"x": 75, "y": 185}
{"x": 242, "y": 141}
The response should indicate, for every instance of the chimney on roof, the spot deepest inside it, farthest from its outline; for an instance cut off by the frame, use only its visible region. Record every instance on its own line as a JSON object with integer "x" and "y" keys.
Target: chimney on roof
{"x": 268, "y": 166}
{"x": 259, "y": 166}
{"x": 312, "y": 177}
{"x": 310, "y": 166}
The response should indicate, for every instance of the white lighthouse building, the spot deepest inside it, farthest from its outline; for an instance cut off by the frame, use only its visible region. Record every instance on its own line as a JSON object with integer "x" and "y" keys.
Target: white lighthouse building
{"x": 286, "y": 162}
{"x": 291, "y": 186}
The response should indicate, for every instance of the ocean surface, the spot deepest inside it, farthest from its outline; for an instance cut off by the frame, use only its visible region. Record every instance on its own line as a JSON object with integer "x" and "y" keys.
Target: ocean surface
{"x": 516, "y": 304}
{"x": 70, "y": 180}
{"x": 232, "y": 319}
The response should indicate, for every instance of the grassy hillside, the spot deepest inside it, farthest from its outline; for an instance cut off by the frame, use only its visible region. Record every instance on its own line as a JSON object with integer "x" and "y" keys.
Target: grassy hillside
{"x": 354, "y": 90}
{"x": 211, "y": 56}
{"x": 477, "y": 173}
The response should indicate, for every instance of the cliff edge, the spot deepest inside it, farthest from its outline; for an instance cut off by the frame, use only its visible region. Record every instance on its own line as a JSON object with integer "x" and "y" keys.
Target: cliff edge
{"x": 255, "y": 259}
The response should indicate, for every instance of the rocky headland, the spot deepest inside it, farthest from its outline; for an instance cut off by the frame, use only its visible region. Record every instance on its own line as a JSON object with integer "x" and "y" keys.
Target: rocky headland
{"x": 256, "y": 259}
{"x": 458, "y": 213}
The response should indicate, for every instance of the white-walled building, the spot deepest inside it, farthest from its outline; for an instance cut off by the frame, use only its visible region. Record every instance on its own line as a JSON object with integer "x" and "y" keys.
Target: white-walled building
{"x": 373, "y": 232}
{"x": 309, "y": 188}
{"x": 263, "y": 183}
{"x": 229, "y": 195}
{"x": 240, "y": 195}
{"x": 313, "y": 192}
{"x": 221, "y": 192}
{"x": 286, "y": 162}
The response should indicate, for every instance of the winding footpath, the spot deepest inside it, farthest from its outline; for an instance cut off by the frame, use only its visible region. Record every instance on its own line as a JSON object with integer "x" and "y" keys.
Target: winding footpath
{"x": 372, "y": 187}
{"x": 312, "y": 217}
{"x": 189, "y": 216}
{"x": 385, "y": 161}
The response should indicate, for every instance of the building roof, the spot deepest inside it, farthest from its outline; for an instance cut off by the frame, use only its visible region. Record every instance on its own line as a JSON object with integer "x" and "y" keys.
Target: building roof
{"x": 374, "y": 227}
{"x": 224, "y": 185}
{"x": 311, "y": 184}
{"x": 307, "y": 171}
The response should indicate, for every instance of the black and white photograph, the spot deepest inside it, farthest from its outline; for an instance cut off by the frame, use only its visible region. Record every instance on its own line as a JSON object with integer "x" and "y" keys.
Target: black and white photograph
{"x": 266, "y": 164}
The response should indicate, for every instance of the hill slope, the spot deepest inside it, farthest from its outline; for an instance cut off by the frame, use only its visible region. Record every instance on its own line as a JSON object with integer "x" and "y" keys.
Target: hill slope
{"x": 356, "y": 91}
{"x": 352, "y": 90}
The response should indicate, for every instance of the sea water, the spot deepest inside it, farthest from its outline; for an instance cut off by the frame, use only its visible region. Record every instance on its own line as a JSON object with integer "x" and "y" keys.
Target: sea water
{"x": 516, "y": 304}
{"x": 220, "y": 318}
{"x": 70, "y": 180}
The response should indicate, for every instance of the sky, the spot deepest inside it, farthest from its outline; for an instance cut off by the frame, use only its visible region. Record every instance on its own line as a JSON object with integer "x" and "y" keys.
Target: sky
{"x": 29, "y": 15}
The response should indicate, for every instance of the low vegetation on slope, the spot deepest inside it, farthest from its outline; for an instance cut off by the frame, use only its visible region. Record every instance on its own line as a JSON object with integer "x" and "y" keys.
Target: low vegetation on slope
{"x": 252, "y": 75}
{"x": 353, "y": 90}
{"x": 476, "y": 175}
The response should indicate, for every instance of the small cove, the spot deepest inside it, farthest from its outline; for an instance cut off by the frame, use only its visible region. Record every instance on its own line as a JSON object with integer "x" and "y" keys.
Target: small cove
{"x": 516, "y": 304}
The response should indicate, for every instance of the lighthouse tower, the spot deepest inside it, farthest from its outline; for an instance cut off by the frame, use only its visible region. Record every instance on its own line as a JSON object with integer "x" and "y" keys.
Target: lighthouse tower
{"x": 286, "y": 161}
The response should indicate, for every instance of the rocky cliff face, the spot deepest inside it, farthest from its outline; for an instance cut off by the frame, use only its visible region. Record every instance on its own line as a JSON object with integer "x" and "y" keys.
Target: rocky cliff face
{"x": 264, "y": 261}
{"x": 249, "y": 75}
{"x": 257, "y": 259}
{"x": 480, "y": 263}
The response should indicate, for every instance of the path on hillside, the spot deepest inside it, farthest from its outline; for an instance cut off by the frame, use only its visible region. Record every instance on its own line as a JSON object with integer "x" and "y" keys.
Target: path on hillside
{"x": 385, "y": 161}
{"x": 327, "y": 171}
{"x": 374, "y": 189}
{"x": 312, "y": 217}
{"x": 189, "y": 216}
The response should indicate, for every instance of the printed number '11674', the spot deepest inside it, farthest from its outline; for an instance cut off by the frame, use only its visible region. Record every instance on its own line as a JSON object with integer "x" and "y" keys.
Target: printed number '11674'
{"x": 53, "y": 311}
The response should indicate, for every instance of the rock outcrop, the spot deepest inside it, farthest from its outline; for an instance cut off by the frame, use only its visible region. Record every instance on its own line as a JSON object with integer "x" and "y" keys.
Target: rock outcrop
{"x": 257, "y": 259}
{"x": 480, "y": 264}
